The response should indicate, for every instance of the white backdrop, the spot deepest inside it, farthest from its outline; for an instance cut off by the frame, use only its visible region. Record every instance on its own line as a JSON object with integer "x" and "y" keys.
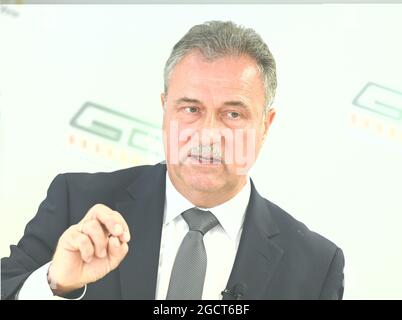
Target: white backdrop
{"x": 333, "y": 157}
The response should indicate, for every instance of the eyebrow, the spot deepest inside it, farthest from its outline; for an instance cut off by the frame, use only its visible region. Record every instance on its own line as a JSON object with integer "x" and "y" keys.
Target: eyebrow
{"x": 233, "y": 103}
{"x": 236, "y": 103}
{"x": 186, "y": 100}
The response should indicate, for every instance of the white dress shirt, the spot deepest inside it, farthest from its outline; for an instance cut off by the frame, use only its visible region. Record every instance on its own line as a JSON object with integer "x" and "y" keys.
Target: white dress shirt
{"x": 221, "y": 245}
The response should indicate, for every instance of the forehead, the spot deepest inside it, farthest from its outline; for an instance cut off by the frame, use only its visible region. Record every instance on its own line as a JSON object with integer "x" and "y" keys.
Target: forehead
{"x": 227, "y": 77}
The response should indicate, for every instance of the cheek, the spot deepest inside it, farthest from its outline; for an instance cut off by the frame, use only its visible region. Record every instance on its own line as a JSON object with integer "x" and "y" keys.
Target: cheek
{"x": 177, "y": 138}
{"x": 257, "y": 142}
{"x": 241, "y": 148}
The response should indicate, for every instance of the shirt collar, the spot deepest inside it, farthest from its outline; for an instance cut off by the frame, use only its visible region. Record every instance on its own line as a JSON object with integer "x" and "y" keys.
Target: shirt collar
{"x": 230, "y": 214}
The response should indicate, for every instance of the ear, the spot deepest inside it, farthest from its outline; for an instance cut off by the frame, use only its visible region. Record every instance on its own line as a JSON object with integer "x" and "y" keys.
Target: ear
{"x": 163, "y": 101}
{"x": 269, "y": 118}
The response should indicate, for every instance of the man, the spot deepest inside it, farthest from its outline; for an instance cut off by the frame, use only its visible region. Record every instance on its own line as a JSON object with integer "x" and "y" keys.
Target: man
{"x": 194, "y": 227}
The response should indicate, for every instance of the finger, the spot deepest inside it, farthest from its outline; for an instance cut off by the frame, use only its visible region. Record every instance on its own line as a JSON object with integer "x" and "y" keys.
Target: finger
{"x": 117, "y": 250}
{"x": 114, "y": 223}
{"x": 98, "y": 236}
{"x": 109, "y": 219}
{"x": 81, "y": 242}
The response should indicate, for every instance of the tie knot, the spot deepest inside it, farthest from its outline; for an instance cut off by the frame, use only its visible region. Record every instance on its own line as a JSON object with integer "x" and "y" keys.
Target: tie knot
{"x": 200, "y": 220}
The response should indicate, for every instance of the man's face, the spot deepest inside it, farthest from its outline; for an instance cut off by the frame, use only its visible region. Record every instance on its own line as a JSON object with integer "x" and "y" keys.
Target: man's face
{"x": 213, "y": 122}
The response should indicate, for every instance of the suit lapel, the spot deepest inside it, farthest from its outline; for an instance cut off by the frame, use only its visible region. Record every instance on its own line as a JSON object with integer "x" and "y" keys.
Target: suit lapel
{"x": 143, "y": 208}
{"x": 257, "y": 256}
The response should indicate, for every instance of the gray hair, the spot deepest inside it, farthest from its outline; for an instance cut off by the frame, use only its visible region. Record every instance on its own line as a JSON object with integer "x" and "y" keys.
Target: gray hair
{"x": 216, "y": 39}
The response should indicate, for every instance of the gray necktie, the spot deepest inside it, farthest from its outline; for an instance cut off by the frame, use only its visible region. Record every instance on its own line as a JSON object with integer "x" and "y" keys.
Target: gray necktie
{"x": 188, "y": 273}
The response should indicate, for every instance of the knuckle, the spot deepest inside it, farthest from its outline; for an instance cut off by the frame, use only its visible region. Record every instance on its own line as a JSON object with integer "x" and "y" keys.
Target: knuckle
{"x": 70, "y": 231}
{"x": 111, "y": 221}
{"x": 113, "y": 214}
{"x": 66, "y": 234}
{"x": 98, "y": 206}
{"x": 70, "y": 234}
{"x": 92, "y": 226}
{"x": 83, "y": 241}
{"x": 116, "y": 213}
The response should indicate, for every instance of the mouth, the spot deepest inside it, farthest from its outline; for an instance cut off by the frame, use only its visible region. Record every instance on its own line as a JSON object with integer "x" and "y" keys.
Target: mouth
{"x": 205, "y": 155}
{"x": 198, "y": 159}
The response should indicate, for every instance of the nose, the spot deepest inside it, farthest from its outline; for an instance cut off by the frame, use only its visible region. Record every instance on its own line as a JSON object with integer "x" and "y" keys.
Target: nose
{"x": 210, "y": 120}
{"x": 210, "y": 129}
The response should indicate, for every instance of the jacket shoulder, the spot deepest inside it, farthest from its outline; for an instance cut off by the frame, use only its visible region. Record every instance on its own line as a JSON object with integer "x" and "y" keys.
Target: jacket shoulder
{"x": 311, "y": 265}
{"x": 108, "y": 181}
{"x": 296, "y": 235}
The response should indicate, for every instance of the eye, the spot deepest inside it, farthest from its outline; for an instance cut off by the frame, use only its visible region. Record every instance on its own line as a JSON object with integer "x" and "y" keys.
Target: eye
{"x": 191, "y": 109}
{"x": 234, "y": 115}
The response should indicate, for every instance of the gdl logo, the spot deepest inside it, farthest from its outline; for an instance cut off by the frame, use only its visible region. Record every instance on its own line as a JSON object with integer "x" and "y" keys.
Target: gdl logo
{"x": 380, "y": 100}
{"x": 379, "y": 111}
{"x": 116, "y": 136}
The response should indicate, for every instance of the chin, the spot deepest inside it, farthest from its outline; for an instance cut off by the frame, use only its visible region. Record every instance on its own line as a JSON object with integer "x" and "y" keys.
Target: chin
{"x": 202, "y": 181}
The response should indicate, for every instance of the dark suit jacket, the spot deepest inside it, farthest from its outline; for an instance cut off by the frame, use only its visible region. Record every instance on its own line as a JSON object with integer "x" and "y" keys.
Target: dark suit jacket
{"x": 277, "y": 258}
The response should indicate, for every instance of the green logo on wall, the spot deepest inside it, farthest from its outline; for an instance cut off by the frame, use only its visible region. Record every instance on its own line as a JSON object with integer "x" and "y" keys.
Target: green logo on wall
{"x": 118, "y": 127}
{"x": 380, "y": 100}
